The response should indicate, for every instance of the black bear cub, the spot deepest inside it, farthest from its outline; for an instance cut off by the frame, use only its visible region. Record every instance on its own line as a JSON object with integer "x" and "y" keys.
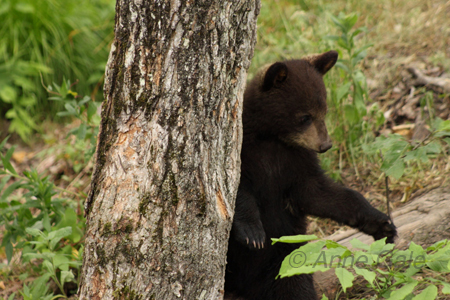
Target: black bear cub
{"x": 282, "y": 181}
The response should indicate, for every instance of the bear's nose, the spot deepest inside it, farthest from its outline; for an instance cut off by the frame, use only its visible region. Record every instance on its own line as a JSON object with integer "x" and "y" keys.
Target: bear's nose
{"x": 325, "y": 147}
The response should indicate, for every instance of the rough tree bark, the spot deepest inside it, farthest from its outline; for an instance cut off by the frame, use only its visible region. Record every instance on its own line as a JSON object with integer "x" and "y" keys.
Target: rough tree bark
{"x": 167, "y": 170}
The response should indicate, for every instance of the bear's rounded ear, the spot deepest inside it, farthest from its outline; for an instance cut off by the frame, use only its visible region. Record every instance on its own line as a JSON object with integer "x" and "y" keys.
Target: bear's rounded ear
{"x": 275, "y": 75}
{"x": 323, "y": 62}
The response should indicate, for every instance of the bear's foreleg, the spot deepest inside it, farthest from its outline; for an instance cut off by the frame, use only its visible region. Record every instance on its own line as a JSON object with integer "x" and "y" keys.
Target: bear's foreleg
{"x": 327, "y": 199}
{"x": 247, "y": 227}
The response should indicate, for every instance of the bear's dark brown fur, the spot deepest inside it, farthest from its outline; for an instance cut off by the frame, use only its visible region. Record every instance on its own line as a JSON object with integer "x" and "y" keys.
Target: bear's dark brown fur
{"x": 282, "y": 181}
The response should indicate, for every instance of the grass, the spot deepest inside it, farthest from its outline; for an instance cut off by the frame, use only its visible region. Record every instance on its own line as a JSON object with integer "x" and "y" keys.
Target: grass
{"x": 45, "y": 41}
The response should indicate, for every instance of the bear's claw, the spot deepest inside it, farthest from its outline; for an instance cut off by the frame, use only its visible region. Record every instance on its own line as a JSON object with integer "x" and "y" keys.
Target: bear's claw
{"x": 250, "y": 235}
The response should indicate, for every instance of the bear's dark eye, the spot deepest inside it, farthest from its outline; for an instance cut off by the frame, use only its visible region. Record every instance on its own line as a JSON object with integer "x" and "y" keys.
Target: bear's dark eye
{"x": 304, "y": 120}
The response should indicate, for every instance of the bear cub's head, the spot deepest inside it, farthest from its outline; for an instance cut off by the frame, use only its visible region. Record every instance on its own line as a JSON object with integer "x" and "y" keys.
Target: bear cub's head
{"x": 288, "y": 100}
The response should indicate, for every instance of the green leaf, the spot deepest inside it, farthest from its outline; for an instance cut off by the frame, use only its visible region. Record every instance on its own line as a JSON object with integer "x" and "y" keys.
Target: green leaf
{"x": 416, "y": 249}
{"x": 350, "y": 21}
{"x": 14, "y": 186}
{"x": 81, "y": 134}
{"x": 438, "y": 266}
{"x": 56, "y": 236}
{"x": 91, "y": 111}
{"x": 6, "y": 160}
{"x": 444, "y": 125}
{"x": 368, "y": 275}
{"x": 66, "y": 276}
{"x": 446, "y": 288}
{"x": 338, "y": 23}
{"x": 404, "y": 291}
{"x": 433, "y": 148}
{"x": 61, "y": 262}
{"x": 437, "y": 245}
{"x": 35, "y": 232}
{"x": 9, "y": 250}
{"x": 345, "y": 278}
{"x": 306, "y": 256}
{"x": 48, "y": 266}
{"x": 8, "y": 94}
{"x": 377, "y": 246}
{"x": 70, "y": 218}
{"x": 294, "y": 239}
{"x": 343, "y": 90}
{"x": 351, "y": 114}
{"x": 427, "y": 294}
{"x": 359, "y": 245}
{"x": 396, "y": 170}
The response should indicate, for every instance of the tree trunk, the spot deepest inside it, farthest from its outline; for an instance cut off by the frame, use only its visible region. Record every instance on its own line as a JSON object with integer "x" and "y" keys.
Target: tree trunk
{"x": 168, "y": 158}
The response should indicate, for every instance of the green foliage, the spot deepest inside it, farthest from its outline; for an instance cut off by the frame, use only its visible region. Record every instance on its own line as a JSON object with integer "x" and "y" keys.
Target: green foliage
{"x": 41, "y": 226}
{"x": 82, "y": 148}
{"x": 349, "y": 95}
{"x": 392, "y": 273}
{"x": 397, "y": 152}
{"x": 52, "y": 39}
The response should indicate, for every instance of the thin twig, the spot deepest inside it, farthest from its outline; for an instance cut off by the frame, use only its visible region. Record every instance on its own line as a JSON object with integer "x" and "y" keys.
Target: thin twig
{"x": 386, "y": 182}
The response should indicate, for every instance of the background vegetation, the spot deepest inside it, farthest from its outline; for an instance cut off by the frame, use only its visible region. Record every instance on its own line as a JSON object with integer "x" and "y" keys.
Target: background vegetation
{"x": 52, "y": 59}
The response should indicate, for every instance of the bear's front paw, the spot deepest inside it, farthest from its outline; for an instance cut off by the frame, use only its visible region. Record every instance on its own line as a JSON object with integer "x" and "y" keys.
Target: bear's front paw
{"x": 386, "y": 229}
{"x": 250, "y": 235}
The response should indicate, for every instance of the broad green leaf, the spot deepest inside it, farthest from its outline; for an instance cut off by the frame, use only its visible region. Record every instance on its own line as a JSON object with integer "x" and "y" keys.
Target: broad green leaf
{"x": 324, "y": 297}
{"x": 91, "y": 111}
{"x": 438, "y": 266}
{"x": 56, "y": 236}
{"x": 307, "y": 255}
{"x": 396, "y": 170}
{"x": 368, "y": 275}
{"x": 404, "y": 291}
{"x": 343, "y": 90}
{"x": 433, "y": 148}
{"x": 416, "y": 249}
{"x": 70, "y": 219}
{"x": 294, "y": 239}
{"x": 35, "y": 232}
{"x": 437, "y": 245}
{"x": 61, "y": 261}
{"x": 48, "y": 266}
{"x": 427, "y": 294}
{"x": 351, "y": 114}
{"x": 302, "y": 270}
{"x": 377, "y": 246}
{"x": 66, "y": 276}
{"x": 446, "y": 288}
{"x": 81, "y": 134}
{"x": 345, "y": 278}
{"x": 8, "y": 94}
{"x": 443, "y": 125}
